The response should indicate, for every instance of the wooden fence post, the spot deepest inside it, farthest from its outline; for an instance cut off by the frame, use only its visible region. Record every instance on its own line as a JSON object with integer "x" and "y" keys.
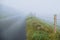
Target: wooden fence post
{"x": 55, "y": 23}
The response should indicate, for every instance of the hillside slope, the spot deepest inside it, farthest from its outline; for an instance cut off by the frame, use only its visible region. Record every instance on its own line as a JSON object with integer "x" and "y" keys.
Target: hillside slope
{"x": 31, "y": 28}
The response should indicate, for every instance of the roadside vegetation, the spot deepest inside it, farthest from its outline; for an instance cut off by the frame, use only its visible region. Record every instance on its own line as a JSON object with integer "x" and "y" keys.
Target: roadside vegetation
{"x": 48, "y": 30}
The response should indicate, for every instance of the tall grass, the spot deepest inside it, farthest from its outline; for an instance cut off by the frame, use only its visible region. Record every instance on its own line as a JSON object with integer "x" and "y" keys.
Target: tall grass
{"x": 47, "y": 29}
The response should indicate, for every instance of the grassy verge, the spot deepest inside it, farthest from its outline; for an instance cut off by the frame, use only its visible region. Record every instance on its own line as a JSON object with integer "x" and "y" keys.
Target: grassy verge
{"x": 31, "y": 28}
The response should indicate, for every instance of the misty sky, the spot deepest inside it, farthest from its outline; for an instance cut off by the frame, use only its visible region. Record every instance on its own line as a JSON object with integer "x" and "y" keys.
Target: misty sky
{"x": 42, "y": 8}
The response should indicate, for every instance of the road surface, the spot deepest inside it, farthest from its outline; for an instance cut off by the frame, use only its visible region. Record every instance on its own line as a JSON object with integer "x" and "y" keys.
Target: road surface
{"x": 13, "y": 28}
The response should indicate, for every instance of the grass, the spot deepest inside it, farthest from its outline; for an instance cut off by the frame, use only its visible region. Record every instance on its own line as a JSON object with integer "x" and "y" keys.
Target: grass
{"x": 31, "y": 28}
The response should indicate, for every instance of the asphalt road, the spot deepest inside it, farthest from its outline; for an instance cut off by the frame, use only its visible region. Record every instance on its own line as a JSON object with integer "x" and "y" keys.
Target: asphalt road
{"x": 13, "y": 28}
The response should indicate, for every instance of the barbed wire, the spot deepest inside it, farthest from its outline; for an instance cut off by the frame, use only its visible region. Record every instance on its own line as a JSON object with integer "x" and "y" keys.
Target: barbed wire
{"x": 51, "y": 18}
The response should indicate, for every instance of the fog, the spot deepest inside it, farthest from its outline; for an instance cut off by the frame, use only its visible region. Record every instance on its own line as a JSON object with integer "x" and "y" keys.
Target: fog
{"x": 12, "y": 24}
{"x": 13, "y": 28}
{"x": 42, "y": 8}
{"x": 14, "y": 12}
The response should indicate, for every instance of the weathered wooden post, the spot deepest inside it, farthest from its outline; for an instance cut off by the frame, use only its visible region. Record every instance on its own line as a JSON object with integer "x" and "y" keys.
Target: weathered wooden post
{"x": 55, "y": 17}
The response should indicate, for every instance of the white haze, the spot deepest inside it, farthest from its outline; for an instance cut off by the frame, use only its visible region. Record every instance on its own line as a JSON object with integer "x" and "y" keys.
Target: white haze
{"x": 44, "y": 9}
{"x": 13, "y": 27}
